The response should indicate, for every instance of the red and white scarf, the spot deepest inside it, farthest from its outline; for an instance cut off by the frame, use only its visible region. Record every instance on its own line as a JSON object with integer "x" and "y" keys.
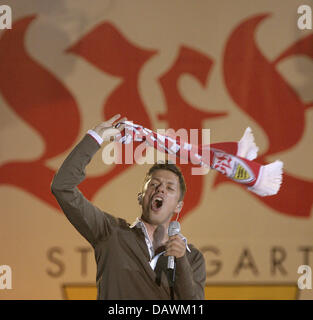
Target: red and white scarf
{"x": 233, "y": 159}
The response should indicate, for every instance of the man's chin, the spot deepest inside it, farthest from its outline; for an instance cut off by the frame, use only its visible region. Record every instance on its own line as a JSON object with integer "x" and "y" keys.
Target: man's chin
{"x": 152, "y": 219}
{"x": 156, "y": 217}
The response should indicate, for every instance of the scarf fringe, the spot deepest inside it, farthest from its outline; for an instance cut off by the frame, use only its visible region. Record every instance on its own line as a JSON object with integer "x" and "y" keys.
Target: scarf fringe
{"x": 269, "y": 180}
{"x": 246, "y": 146}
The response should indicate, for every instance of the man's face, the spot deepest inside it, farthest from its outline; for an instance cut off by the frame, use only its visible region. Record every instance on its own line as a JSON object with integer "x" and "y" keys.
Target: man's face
{"x": 161, "y": 197}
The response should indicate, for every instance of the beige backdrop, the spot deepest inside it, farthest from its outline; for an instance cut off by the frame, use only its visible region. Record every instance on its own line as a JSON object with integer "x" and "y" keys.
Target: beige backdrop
{"x": 242, "y": 238}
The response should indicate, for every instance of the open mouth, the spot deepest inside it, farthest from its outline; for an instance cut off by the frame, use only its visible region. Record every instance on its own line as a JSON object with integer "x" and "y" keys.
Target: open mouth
{"x": 157, "y": 203}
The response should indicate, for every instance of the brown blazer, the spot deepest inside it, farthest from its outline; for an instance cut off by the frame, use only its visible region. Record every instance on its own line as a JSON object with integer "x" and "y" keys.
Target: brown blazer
{"x": 121, "y": 253}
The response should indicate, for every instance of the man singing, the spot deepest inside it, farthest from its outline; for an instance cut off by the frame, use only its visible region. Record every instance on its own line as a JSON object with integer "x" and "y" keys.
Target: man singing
{"x": 132, "y": 260}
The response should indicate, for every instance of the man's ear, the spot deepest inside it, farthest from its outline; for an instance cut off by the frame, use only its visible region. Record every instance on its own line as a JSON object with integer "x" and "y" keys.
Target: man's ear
{"x": 139, "y": 197}
{"x": 179, "y": 206}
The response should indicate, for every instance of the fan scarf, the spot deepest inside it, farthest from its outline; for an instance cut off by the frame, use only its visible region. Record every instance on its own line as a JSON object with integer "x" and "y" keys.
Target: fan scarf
{"x": 232, "y": 159}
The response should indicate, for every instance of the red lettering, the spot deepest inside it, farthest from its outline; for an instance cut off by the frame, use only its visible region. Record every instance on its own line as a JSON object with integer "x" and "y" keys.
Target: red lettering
{"x": 107, "y": 49}
{"x": 260, "y": 91}
{"x": 43, "y": 102}
{"x": 180, "y": 114}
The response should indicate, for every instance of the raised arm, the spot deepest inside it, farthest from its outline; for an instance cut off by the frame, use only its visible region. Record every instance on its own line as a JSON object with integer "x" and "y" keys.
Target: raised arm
{"x": 91, "y": 222}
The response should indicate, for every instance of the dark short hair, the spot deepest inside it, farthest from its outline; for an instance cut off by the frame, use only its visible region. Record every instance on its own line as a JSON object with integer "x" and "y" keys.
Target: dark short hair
{"x": 170, "y": 167}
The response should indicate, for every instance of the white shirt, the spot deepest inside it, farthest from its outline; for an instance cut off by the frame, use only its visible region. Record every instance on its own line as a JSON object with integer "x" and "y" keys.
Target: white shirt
{"x": 153, "y": 258}
{"x": 96, "y": 136}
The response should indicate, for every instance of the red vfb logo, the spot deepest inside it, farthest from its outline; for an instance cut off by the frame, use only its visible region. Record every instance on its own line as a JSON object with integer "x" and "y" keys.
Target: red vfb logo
{"x": 45, "y": 103}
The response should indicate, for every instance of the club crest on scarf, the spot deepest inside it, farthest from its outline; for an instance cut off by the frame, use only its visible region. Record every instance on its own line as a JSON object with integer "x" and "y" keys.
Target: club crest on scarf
{"x": 232, "y": 167}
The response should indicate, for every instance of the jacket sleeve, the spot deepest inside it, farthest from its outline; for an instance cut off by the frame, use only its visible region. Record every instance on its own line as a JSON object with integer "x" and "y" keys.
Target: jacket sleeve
{"x": 190, "y": 277}
{"x": 92, "y": 223}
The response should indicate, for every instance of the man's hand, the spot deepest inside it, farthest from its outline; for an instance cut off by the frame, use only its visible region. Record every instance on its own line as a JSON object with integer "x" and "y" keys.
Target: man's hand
{"x": 175, "y": 246}
{"x": 107, "y": 129}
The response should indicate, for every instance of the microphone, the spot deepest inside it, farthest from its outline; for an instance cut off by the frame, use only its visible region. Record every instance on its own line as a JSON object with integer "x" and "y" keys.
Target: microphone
{"x": 173, "y": 229}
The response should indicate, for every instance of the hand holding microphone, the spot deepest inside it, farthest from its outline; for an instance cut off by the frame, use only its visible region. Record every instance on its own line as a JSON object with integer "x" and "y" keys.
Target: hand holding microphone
{"x": 175, "y": 247}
